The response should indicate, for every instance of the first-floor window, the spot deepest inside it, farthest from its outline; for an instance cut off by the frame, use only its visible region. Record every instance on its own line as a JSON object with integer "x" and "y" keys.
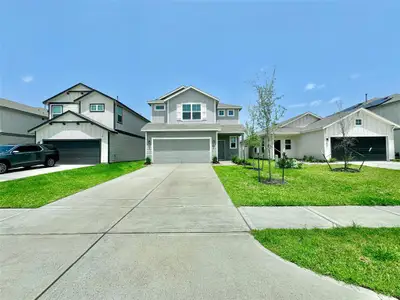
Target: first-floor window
{"x": 221, "y": 113}
{"x": 56, "y": 110}
{"x": 233, "y": 142}
{"x": 191, "y": 111}
{"x": 231, "y": 113}
{"x": 97, "y": 107}
{"x": 288, "y": 144}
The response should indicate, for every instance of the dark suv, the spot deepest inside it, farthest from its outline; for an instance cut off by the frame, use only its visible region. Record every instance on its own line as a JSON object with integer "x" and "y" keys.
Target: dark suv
{"x": 27, "y": 155}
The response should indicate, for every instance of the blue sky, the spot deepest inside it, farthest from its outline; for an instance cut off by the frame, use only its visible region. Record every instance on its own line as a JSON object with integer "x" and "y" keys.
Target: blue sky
{"x": 140, "y": 50}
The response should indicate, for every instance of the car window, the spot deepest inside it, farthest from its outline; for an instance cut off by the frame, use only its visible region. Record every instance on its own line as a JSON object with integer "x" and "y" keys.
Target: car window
{"x": 23, "y": 149}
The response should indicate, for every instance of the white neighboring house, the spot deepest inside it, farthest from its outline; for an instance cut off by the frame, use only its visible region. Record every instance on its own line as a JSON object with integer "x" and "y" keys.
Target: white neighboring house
{"x": 311, "y": 135}
{"x": 90, "y": 127}
{"x": 15, "y": 120}
{"x": 189, "y": 125}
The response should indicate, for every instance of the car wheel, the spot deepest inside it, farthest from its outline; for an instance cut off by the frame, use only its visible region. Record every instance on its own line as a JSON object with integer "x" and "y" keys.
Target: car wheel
{"x": 3, "y": 168}
{"x": 50, "y": 162}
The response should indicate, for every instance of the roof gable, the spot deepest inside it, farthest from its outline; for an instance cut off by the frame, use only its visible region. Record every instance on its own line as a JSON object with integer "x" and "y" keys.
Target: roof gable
{"x": 79, "y": 87}
{"x": 295, "y": 118}
{"x": 180, "y": 91}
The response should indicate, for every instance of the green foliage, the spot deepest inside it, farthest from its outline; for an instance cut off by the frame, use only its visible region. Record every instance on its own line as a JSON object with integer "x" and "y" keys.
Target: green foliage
{"x": 332, "y": 160}
{"x": 312, "y": 159}
{"x": 235, "y": 159}
{"x": 368, "y": 257}
{"x": 289, "y": 163}
{"x": 215, "y": 160}
{"x": 39, "y": 190}
{"x": 148, "y": 161}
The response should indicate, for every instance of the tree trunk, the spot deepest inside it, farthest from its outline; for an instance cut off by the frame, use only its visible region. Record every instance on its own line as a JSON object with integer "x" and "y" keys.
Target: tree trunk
{"x": 259, "y": 171}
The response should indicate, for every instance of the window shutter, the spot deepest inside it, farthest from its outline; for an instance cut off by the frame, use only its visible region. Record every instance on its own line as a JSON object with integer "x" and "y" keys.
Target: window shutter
{"x": 204, "y": 111}
{"x": 179, "y": 112}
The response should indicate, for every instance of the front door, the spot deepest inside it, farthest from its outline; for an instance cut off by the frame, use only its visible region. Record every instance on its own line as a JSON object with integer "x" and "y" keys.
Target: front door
{"x": 221, "y": 150}
{"x": 277, "y": 148}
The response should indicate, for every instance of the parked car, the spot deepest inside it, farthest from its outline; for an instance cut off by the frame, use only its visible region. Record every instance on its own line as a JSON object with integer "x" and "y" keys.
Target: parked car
{"x": 27, "y": 155}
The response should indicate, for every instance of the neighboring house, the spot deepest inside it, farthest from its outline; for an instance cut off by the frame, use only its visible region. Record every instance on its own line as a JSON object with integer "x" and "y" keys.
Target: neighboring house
{"x": 16, "y": 119}
{"x": 311, "y": 135}
{"x": 191, "y": 126}
{"x": 387, "y": 107}
{"x": 90, "y": 127}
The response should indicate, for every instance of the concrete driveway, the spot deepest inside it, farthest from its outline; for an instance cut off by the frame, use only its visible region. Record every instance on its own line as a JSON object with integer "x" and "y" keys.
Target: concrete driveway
{"x": 384, "y": 164}
{"x": 37, "y": 170}
{"x": 163, "y": 232}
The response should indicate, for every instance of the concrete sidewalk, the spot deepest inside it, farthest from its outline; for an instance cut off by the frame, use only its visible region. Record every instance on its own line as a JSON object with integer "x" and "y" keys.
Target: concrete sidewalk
{"x": 162, "y": 232}
{"x": 320, "y": 216}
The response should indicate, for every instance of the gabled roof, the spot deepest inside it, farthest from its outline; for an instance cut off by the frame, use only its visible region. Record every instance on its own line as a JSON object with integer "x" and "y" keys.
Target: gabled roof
{"x": 225, "y": 106}
{"x": 178, "y": 91}
{"x": 85, "y": 118}
{"x": 376, "y": 101}
{"x": 24, "y": 108}
{"x": 90, "y": 91}
{"x": 291, "y": 120}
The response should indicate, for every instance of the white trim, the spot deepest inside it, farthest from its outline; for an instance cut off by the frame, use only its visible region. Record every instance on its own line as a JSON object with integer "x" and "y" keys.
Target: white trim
{"x": 62, "y": 110}
{"x": 169, "y": 93}
{"x": 155, "y": 107}
{"x": 190, "y": 88}
{"x": 167, "y": 104}
{"x": 177, "y": 129}
{"x": 223, "y": 110}
{"x": 179, "y": 138}
{"x": 145, "y": 146}
{"x": 355, "y": 122}
{"x": 191, "y": 112}
{"x": 216, "y": 145}
{"x": 237, "y": 141}
{"x": 232, "y": 110}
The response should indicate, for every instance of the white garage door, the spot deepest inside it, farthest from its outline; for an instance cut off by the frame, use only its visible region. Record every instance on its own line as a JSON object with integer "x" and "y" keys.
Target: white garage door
{"x": 181, "y": 151}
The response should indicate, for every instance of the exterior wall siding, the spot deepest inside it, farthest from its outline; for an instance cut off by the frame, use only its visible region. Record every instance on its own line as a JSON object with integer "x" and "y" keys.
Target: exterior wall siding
{"x": 13, "y": 121}
{"x": 106, "y": 117}
{"x": 179, "y": 134}
{"x": 13, "y": 139}
{"x": 302, "y": 122}
{"x": 130, "y": 122}
{"x": 158, "y": 116}
{"x": 191, "y": 96}
{"x": 126, "y": 148}
{"x": 226, "y": 119}
{"x": 228, "y": 153}
{"x": 72, "y": 131}
{"x": 70, "y": 97}
{"x": 311, "y": 143}
{"x": 291, "y": 153}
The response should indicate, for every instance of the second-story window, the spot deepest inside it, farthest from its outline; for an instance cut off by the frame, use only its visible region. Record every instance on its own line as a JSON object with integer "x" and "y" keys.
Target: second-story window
{"x": 159, "y": 107}
{"x": 191, "y": 111}
{"x": 56, "y": 110}
{"x": 231, "y": 113}
{"x": 119, "y": 114}
{"x": 97, "y": 107}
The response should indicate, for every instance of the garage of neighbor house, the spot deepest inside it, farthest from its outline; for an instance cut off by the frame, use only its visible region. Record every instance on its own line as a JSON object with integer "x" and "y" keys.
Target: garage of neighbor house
{"x": 368, "y": 148}
{"x": 78, "y": 151}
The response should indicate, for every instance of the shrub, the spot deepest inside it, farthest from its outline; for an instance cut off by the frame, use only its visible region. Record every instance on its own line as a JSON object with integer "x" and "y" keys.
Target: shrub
{"x": 235, "y": 159}
{"x": 332, "y": 159}
{"x": 148, "y": 161}
{"x": 215, "y": 160}
{"x": 289, "y": 163}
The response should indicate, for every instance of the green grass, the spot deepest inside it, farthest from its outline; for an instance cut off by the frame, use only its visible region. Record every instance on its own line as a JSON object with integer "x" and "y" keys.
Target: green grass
{"x": 39, "y": 190}
{"x": 312, "y": 185}
{"x": 362, "y": 256}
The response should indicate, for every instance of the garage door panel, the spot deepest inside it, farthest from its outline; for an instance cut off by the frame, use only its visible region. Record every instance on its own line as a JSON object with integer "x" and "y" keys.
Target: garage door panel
{"x": 181, "y": 151}
{"x": 362, "y": 145}
{"x": 77, "y": 152}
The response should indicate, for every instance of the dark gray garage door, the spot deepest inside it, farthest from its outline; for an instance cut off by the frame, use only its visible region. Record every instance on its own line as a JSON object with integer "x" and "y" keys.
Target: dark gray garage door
{"x": 362, "y": 146}
{"x": 77, "y": 151}
{"x": 181, "y": 151}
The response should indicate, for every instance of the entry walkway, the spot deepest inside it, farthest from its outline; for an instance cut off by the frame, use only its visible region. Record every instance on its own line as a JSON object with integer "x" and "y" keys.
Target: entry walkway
{"x": 162, "y": 232}
{"x": 321, "y": 216}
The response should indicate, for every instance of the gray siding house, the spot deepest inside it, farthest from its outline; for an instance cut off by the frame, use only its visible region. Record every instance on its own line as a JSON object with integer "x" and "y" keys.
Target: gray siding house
{"x": 190, "y": 126}
{"x": 15, "y": 121}
{"x": 90, "y": 127}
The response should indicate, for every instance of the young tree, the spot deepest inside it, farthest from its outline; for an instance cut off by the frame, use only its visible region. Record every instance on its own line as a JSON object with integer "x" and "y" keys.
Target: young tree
{"x": 252, "y": 139}
{"x": 267, "y": 112}
{"x": 346, "y": 142}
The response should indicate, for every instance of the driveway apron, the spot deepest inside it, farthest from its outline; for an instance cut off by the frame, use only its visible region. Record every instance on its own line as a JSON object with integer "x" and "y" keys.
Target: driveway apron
{"x": 163, "y": 232}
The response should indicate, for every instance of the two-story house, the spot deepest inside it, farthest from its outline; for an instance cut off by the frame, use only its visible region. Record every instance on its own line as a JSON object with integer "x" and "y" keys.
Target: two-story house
{"x": 311, "y": 135}
{"x": 191, "y": 126}
{"x": 90, "y": 127}
{"x": 15, "y": 120}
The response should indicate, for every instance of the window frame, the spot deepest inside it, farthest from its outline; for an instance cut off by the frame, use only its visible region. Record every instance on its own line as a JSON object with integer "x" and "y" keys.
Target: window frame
{"x": 97, "y": 105}
{"x": 288, "y": 144}
{"x": 358, "y": 120}
{"x": 157, "y": 109}
{"x": 221, "y": 110}
{"x": 122, "y": 114}
{"x": 233, "y": 113}
{"x": 191, "y": 112}
{"x": 236, "y": 142}
{"x": 57, "y": 114}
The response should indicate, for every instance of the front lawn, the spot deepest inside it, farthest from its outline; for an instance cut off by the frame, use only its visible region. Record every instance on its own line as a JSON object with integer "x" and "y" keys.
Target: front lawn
{"x": 312, "y": 185}
{"x": 363, "y": 256}
{"x": 39, "y": 190}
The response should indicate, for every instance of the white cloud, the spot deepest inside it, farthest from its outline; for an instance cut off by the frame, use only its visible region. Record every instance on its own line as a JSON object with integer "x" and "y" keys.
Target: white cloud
{"x": 311, "y": 86}
{"x": 354, "y": 76}
{"x": 297, "y": 105}
{"x": 315, "y": 103}
{"x": 334, "y": 100}
{"x": 27, "y": 78}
